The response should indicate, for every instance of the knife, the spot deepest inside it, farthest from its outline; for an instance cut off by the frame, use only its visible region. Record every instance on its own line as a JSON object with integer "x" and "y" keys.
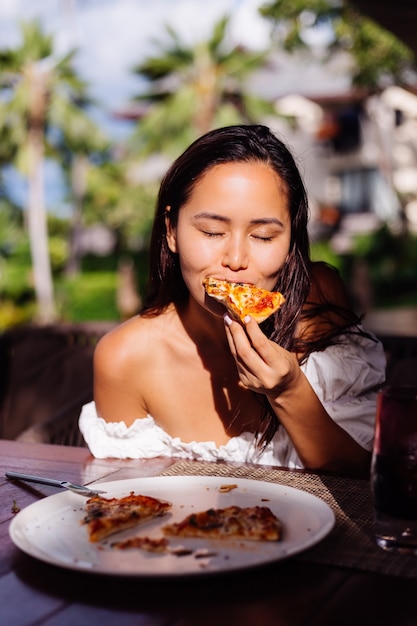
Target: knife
{"x": 63, "y": 484}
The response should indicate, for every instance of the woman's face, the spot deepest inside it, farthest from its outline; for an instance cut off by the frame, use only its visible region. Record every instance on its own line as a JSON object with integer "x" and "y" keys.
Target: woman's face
{"x": 234, "y": 226}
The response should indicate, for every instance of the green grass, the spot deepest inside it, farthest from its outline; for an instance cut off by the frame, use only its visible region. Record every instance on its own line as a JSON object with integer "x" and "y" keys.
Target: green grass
{"x": 91, "y": 296}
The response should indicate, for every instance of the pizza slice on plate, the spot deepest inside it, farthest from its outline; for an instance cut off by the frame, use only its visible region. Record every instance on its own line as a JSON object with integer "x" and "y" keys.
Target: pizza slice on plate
{"x": 106, "y": 516}
{"x": 256, "y": 523}
{"x": 242, "y": 299}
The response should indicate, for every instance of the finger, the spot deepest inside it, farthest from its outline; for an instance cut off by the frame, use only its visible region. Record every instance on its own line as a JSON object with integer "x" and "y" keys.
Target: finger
{"x": 252, "y": 369}
{"x": 239, "y": 345}
{"x": 230, "y": 338}
{"x": 259, "y": 342}
{"x": 242, "y": 347}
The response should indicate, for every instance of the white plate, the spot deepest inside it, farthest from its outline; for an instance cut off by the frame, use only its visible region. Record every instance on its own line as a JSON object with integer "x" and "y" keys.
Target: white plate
{"x": 51, "y": 529}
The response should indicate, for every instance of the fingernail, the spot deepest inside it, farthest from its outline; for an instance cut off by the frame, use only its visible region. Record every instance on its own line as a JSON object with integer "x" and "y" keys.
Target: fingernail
{"x": 246, "y": 319}
{"x": 228, "y": 320}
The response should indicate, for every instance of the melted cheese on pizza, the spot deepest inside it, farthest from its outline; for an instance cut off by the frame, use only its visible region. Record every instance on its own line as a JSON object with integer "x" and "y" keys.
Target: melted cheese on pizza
{"x": 242, "y": 299}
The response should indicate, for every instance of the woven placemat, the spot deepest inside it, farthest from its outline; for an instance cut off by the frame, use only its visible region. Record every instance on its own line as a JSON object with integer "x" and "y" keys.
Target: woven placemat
{"x": 350, "y": 543}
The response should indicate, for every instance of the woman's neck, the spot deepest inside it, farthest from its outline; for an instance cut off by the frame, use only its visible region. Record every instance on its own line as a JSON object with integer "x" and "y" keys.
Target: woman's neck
{"x": 202, "y": 327}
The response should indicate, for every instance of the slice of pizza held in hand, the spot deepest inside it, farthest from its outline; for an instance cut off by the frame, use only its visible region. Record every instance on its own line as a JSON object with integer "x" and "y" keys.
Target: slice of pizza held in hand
{"x": 242, "y": 299}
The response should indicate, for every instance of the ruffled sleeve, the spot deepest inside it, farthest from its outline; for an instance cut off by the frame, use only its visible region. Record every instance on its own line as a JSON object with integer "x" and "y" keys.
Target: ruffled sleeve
{"x": 346, "y": 377}
{"x": 142, "y": 440}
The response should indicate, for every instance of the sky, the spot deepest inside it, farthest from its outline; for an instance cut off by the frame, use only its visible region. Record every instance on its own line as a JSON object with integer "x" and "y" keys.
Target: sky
{"x": 111, "y": 36}
{"x": 114, "y": 35}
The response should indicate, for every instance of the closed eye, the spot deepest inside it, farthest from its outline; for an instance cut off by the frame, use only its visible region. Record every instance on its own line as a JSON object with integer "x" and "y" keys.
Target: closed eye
{"x": 211, "y": 234}
{"x": 263, "y": 238}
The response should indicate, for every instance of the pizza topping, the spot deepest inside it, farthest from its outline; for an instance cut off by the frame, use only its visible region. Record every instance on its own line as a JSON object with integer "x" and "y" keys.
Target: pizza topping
{"x": 227, "y": 488}
{"x": 256, "y": 523}
{"x": 149, "y": 544}
{"x": 106, "y": 516}
{"x": 242, "y": 299}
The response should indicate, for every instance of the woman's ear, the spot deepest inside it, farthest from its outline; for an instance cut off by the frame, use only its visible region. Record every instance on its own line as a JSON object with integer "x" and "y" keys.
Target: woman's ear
{"x": 171, "y": 231}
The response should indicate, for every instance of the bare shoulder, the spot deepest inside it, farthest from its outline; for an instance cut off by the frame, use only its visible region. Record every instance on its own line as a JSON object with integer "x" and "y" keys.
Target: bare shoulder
{"x": 123, "y": 346}
{"x": 328, "y": 286}
{"x": 327, "y": 307}
{"x": 121, "y": 359}
{"x": 133, "y": 345}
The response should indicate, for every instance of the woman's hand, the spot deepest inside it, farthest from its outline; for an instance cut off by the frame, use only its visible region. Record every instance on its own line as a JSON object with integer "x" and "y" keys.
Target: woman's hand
{"x": 263, "y": 366}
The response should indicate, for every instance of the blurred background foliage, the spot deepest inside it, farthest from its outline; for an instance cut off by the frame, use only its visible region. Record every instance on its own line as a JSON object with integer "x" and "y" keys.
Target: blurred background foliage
{"x": 92, "y": 263}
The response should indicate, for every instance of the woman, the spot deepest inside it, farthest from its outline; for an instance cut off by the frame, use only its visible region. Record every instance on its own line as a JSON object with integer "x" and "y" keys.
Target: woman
{"x": 183, "y": 379}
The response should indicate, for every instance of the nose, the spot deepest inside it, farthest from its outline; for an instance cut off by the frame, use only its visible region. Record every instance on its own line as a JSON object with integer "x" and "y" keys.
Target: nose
{"x": 235, "y": 254}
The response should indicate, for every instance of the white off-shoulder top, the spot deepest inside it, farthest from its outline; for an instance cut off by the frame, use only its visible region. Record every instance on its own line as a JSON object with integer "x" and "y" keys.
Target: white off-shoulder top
{"x": 344, "y": 377}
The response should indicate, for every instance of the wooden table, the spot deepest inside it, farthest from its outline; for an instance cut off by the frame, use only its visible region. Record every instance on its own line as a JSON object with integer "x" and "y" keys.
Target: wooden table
{"x": 290, "y": 593}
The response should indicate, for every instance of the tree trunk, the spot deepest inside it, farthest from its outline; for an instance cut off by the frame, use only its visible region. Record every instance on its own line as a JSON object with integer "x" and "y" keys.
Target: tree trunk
{"x": 36, "y": 213}
{"x": 79, "y": 176}
{"x": 207, "y": 85}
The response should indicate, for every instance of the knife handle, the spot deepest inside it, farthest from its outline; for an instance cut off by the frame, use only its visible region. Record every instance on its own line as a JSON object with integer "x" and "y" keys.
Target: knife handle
{"x": 34, "y": 479}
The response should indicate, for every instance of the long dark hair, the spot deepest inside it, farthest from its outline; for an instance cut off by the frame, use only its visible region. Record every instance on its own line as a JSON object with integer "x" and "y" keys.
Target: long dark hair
{"x": 242, "y": 143}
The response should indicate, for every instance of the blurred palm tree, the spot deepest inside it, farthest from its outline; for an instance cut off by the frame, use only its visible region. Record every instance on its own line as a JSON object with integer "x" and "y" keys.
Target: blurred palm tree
{"x": 124, "y": 205}
{"x": 194, "y": 89}
{"x": 41, "y": 109}
{"x": 379, "y": 57}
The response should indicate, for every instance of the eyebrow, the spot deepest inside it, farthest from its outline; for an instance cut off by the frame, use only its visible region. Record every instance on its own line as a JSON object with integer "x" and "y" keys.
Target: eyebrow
{"x": 257, "y": 221}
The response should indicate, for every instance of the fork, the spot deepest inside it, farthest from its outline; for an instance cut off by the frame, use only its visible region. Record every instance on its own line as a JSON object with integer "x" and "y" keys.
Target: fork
{"x": 64, "y": 484}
